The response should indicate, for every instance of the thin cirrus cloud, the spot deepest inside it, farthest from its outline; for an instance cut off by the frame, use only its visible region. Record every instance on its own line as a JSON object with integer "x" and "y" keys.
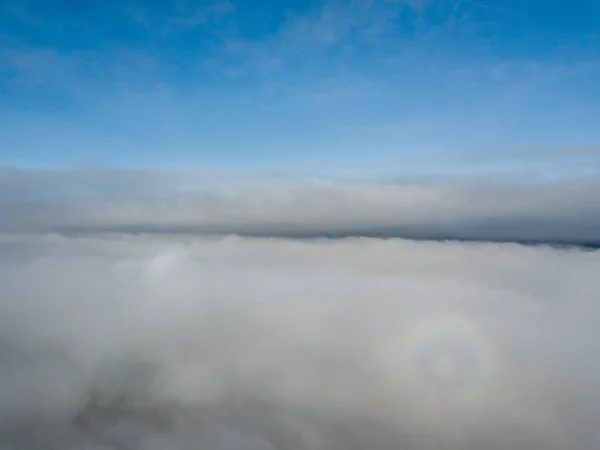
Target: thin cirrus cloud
{"x": 367, "y": 81}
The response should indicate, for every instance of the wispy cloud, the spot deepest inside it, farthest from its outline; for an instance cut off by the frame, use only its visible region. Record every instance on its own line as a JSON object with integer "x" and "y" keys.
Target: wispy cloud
{"x": 341, "y": 80}
{"x": 184, "y": 16}
{"x": 332, "y": 24}
{"x": 21, "y": 12}
{"x": 139, "y": 15}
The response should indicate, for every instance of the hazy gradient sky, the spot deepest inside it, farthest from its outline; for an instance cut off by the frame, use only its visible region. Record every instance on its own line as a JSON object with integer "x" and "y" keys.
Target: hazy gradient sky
{"x": 323, "y": 85}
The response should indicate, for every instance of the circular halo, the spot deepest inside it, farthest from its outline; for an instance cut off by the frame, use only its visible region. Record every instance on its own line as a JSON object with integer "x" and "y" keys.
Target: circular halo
{"x": 444, "y": 357}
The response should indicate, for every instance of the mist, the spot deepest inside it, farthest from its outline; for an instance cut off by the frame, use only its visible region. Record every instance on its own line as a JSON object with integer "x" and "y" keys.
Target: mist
{"x": 154, "y": 342}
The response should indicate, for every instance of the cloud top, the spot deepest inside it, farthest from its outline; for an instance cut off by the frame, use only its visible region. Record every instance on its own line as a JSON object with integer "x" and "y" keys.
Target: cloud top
{"x": 499, "y": 208}
{"x": 237, "y": 343}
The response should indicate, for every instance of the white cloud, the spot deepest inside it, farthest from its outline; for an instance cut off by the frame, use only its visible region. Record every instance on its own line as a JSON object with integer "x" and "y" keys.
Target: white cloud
{"x": 237, "y": 343}
{"x": 497, "y": 208}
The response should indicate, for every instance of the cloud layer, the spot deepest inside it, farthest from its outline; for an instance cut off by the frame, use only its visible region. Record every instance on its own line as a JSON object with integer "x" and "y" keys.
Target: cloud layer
{"x": 236, "y": 343}
{"x": 500, "y": 207}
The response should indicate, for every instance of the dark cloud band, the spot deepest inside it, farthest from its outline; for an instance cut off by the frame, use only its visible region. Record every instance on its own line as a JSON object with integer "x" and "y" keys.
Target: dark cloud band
{"x": 79, "y": 202}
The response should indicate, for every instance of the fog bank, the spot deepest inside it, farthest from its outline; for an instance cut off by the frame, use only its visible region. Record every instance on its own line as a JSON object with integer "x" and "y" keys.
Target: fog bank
{"x": 235, "y": 343}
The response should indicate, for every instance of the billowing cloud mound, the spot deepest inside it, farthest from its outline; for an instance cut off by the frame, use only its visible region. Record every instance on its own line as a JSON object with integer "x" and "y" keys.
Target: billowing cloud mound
{"x": 497, "y": 208}
{"x": 233, "y": 343}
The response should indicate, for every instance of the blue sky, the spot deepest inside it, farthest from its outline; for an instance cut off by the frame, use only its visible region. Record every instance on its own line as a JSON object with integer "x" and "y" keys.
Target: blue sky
{"x": 381, "y": 85}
